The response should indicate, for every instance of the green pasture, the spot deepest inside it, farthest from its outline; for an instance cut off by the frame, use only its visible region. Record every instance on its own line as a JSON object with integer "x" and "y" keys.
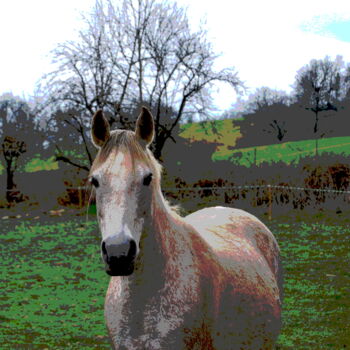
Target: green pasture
{"x": 220, "y": 131}
{"x": 226, "y": 134}
{"x": 288, "y": 152}
{"x": 36, "y": 164}
{"x": 53, "y": 284}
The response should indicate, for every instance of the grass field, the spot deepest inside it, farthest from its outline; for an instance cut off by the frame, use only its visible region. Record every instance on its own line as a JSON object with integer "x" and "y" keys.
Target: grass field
{"x": 222, "y": 131}
{"x": 227, "y": 134}
{"x": 53, "y": 287}
{"x": 53, "y": 284}
{"x": 287, "y": 152}
{"x": 36, "y": 164}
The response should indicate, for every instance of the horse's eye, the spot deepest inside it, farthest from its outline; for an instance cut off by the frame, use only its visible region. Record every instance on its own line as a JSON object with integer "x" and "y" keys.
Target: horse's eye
{"x": 94, "y": 182}
{"x": 147, "y": 179}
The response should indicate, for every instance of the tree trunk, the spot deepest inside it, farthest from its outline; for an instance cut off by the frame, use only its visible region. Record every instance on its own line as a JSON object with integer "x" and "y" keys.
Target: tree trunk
{"x": 10, "y": 184}
{"x": 316, "y": 122}
{"x": 158, "y": 146}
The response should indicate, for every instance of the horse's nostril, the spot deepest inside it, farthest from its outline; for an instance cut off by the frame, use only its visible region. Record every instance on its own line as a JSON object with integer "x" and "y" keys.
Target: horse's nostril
{"x": 132, "y": 249}
{"x": 103, "y": 247}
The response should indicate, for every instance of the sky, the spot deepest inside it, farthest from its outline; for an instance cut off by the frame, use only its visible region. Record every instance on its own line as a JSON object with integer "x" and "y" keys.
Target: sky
{"x": 266, "y": 41}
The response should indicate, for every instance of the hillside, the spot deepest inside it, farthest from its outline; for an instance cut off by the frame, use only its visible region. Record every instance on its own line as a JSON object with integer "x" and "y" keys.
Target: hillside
{"x": 220, "y": 131}
{"x": 36, "y": 164}
{"x": 288, "y": 152}
{"x": 227, "y": 134}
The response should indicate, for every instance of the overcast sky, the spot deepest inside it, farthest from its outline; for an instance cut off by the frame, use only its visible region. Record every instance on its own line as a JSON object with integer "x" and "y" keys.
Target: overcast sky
{"x": 266, "y": 41}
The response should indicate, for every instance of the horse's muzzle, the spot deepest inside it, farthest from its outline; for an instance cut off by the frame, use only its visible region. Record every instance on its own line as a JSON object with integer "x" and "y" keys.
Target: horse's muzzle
{"x": 119, "y": 258}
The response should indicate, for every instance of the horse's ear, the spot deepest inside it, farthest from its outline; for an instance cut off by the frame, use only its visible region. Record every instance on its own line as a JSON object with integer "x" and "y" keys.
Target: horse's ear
{"x": 100, "y": 130}
{"x": 145, "y": 126}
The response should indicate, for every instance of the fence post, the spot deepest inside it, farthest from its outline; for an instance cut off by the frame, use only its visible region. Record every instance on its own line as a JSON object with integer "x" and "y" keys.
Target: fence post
{"x": 269, "y": 191}
{"x": 80, "y": 191}
{"x": 255, "y": 152}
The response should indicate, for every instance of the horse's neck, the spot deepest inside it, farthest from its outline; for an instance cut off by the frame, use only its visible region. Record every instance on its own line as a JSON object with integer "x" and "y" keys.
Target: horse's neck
{"x": 165, "y": 251}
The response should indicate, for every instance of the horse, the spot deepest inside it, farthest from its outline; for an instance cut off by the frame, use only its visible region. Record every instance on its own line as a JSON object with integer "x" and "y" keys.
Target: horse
{"x": 210, "y": 280}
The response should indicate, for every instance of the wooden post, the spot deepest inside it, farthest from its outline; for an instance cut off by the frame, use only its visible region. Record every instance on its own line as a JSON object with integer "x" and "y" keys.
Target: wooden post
{"x": 255, "y": 156}
{"x": 269, "y": 192}
{"x": 80, "y": 197}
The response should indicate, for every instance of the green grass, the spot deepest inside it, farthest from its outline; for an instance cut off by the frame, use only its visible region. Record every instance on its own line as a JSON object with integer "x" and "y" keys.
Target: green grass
{"x": 53, "y": 284}
{"x": 224, "y": 132}
{"x": 288, "y": 152}
{"x": 316, "y": 306}
{"x": 53, "y": 287}
{"x": 36, "y": 164}
{"x": 227, "y": 135}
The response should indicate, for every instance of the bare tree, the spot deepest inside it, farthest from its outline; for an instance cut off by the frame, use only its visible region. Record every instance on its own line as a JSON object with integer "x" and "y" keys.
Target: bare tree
{"x": 12, "y": 150}
{"x": 84, "y": 75}
{"x": 18, "y": 136}
{"x": 180, "y": 70}
{"x": 263, "y": 126}
{"x": 264, "y": 97}
{"x": 265, "y": 114}
{"x": 318, "y": 87}
{"x": 278, "y": 128}
{"x": 137, "y": 52}
{"x": 72, "y": 140}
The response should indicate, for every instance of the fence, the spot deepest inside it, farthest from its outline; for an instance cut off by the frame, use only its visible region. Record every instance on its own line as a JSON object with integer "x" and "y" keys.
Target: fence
{"x": 269, "y": 189}
{"x": 81, "y": 195}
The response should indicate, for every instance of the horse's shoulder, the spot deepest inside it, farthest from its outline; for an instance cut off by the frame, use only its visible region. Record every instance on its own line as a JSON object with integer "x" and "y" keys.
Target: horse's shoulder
{"x": 235, "y": 230}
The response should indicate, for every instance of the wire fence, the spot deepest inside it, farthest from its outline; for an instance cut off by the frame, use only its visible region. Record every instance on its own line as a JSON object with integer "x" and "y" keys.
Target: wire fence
{"x": 81, "y": 195}
{"x": 238, "y": 187}
{"x": 270, "y": 189}
{"x": 241, "y": 187}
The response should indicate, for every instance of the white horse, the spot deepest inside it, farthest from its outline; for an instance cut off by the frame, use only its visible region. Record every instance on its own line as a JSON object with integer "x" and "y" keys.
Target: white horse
{"x": 211, "y": 280}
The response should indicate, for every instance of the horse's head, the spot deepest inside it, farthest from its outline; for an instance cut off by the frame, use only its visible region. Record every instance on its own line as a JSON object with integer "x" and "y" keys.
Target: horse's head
{"x": 124, "y": 174}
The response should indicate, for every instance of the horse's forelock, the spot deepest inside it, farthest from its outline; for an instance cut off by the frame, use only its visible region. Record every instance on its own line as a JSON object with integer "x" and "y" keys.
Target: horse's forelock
{"x": 126, "y": 141}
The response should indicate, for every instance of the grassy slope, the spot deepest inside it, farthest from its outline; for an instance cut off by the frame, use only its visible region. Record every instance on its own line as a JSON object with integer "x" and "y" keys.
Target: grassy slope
{"x": 287, "y": 151}
{"x": 53, "y": 284}
{"x": 37, "y": 164}
{"x": 226, "y": 133}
